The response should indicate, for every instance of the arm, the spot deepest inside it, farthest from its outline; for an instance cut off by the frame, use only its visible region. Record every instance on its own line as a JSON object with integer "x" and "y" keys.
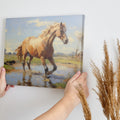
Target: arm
{"x": 3, "y": 86}
{"x": 64, "y": 107}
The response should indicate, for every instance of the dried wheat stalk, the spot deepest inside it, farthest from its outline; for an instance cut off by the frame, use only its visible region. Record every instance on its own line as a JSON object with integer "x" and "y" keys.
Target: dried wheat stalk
{"x": 86, "y": 110}
{"x": 108, "y": 85}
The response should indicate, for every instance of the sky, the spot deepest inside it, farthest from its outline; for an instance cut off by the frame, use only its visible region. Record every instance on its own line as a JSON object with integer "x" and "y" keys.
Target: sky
{"x": 17, "y": 29}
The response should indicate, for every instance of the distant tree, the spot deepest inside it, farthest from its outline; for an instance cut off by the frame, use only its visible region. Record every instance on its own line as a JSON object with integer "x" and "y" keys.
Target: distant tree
{"x": 5, "y": 50}
{"x": 9, "y": 53}
{"x": 14, "y": 53}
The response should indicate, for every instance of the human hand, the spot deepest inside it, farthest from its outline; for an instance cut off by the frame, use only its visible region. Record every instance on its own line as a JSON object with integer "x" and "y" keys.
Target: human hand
{"x": 71, "y": 93}
{"x": 71, "y": 99}
{"x": 3, "y": 86}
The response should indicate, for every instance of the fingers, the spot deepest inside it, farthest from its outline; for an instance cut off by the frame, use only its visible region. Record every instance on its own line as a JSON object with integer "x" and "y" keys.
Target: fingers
{"x": 81, "y": 80}
{"x": 1, "y": 95}
{"x": 77, "y": 75}
{"x": 7, "y": 88}
{"x": 2, "y": 73}
{"x": 11, "y": 85}
{"x": 3, "y": 86}
{"x": 83, "y": 76}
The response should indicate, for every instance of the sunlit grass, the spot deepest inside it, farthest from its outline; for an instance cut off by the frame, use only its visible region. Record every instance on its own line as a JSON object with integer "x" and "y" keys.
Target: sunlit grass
{"x": 59, "y": 85}
{"x": 36, "y": 61}
{"x": 8, "y": 68}
{"x": 64, "y": 60}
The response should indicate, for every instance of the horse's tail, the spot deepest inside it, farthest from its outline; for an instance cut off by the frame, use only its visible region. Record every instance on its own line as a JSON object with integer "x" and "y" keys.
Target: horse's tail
{"x": 19, "y": 53}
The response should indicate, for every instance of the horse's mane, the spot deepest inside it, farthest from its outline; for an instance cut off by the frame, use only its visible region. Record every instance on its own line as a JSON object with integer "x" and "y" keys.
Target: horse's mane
{"x": 49, "y": 29}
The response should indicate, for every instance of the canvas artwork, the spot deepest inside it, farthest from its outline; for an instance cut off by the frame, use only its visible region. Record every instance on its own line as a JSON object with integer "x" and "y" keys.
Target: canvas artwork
{"x": 43, "y": 51}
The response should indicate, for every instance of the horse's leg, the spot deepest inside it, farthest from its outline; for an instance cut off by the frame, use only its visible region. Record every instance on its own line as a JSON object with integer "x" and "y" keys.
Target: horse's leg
{"x": 29, "y": 83}
{"x": 24, "y": 58}
{"x": 24, "y": 74}
{"x": 28, "y": 63}
{"x": 44, "y": 64}
{"x": 54, "y": 65}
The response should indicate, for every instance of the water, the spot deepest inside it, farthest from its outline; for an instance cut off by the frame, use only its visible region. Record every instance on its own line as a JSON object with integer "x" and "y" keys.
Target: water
{"x": 37, "y": 77}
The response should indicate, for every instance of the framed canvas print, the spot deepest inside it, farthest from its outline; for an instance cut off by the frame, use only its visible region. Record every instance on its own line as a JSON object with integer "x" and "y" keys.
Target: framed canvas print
{"x": 43, "y": 51}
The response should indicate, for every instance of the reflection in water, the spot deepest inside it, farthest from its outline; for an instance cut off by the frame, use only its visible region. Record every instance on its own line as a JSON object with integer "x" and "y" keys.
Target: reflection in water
{"x": 36, "y": 78}
{"x": 26, "y": 81}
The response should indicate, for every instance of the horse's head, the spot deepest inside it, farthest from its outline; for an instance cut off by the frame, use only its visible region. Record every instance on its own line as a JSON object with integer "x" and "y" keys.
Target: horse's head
{"x": 61, "y": 33}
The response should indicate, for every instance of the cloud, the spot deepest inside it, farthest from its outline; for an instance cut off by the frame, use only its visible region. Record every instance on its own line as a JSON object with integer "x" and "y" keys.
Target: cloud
{"x": 57, "y": 41}
{"x": 60, "y": 47}
{"x": 70, "y": 39}
{"x": 72, "y": 27}
{"x": 5, "y": 30}
{"x": 39, "y": 23}
{"x": 19, "y": 33}
{"x": 9, "y": 50}
{"x": 65, "y": 50}
{"x": 79, "y": 35}
{"x": 11, "y": 45}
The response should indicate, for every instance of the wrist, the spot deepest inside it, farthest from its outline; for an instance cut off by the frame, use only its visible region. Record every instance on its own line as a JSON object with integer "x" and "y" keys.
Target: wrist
{"x": 67, "y": 105}
{"x": 70, "y": 101}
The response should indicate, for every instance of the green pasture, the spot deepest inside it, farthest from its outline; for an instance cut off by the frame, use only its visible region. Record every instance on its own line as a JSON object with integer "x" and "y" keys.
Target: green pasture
{"x": 58, "y": 59}
{"x": 59, "y": 85}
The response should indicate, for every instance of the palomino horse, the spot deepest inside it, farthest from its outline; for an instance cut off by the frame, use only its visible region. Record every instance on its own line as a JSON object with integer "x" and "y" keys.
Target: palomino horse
{"x": 42, "y": 46}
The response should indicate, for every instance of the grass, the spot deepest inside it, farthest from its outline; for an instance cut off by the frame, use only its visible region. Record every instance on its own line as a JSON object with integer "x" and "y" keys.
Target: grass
{"x": 67, "y": 60}
{"x": 14, "y": 57}
{"x": 64, "y": 60}
{"x": 10, "y": 57}
{"x": 37, "y": 61}
{"x": 8, "y": 68}
{"x": 59, "y": 85}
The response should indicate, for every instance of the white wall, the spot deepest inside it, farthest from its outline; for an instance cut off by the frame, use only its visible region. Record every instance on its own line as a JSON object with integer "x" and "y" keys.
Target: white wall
{"x": 102, "y": 22}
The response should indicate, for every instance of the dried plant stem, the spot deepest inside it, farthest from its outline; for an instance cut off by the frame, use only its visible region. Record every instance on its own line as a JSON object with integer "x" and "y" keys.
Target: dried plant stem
{"x": 108, "y": 86}
{"x": 86, "y": 110}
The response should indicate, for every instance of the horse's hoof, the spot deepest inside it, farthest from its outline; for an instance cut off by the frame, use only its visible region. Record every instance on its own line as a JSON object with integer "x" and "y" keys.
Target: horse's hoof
{"x": 49, "y": 73}
{"x": 48, "y": 76}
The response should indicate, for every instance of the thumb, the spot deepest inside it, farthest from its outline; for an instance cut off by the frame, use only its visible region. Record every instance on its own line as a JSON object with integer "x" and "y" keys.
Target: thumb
{"x": 3, "y": 73}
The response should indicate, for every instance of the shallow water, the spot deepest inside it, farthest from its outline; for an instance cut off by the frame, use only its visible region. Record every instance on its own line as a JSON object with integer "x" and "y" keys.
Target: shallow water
{"x": 37, "y": 77}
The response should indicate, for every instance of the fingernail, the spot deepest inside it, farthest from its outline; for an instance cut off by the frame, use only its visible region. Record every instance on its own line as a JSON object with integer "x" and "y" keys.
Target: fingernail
{"x": 78, "y": 72}
{"x": 3, "y": 69}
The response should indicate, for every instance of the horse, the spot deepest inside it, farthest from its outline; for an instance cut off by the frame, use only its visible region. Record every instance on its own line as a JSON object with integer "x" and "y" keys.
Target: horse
{"x": 42, "y": 46}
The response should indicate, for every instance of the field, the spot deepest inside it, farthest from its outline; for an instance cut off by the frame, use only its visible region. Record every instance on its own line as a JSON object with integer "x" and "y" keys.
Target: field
{"x": 59, "y": 59}
{"x": 67, "y": 66}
